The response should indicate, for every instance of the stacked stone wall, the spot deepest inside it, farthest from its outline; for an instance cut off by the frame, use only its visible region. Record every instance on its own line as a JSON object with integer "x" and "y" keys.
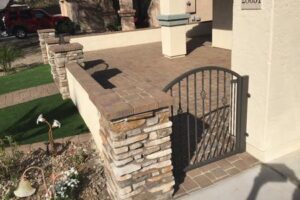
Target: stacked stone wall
{"x": 43, "y": 35}
{"x": 60, "y": 56}
{"x": 137, "y": 154}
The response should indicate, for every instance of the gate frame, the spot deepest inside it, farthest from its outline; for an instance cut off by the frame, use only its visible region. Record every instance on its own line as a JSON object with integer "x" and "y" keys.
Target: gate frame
{"x": 241, "y": 109}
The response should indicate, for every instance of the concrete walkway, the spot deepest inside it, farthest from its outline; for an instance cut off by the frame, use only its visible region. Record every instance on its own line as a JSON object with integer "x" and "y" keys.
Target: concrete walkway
{"x": 277, "y": 180}
{"x": 28, "y": 94}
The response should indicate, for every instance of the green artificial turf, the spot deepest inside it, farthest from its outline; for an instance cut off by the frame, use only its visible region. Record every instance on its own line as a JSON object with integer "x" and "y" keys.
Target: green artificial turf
{"x": 19, "y": 121}
{"x": 31, "y": 77}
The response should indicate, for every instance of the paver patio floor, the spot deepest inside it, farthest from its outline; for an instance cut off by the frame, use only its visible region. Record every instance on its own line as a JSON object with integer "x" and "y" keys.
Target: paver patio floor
{"x": 145, "y": 63}
{"x": 122, "y": 67}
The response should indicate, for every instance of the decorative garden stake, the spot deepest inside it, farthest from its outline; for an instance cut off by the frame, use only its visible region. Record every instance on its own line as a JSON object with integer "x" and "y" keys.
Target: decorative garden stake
{"x": 24, "y": 188}
{"x": 55, "y": 124}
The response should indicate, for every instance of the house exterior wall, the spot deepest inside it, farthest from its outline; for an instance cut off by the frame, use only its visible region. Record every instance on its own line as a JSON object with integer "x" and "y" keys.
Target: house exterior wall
{"x": 204, "y": 9}
{"x": 90, "y": 15}
{"x": 222, "y": 24}
{"x": 127, "y": 38}
{"x": 263, "y": 50}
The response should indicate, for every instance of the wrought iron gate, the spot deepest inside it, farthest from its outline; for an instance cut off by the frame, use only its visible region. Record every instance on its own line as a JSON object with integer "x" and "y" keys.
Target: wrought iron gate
{"x": 209, "y": 115}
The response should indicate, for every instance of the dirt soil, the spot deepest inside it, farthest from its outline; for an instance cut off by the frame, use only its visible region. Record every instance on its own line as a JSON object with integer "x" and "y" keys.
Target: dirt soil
{"x": 83, "y": 157}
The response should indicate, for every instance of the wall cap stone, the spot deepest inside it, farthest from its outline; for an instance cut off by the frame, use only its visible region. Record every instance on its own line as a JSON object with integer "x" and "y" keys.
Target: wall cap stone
{"x": 111, "y": 105}
{"x": 65, "y": 48}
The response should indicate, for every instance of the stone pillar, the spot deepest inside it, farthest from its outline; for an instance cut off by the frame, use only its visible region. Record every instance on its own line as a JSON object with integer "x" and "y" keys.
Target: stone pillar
{"x": 43, "y": 35}
{"x": 137, "y": 155}
{"x": 49, "y": 43}
{"x": 173, "y": 31}
{"x": 153, "y": 12}
{"x": 62, "y": 55}
{"x": 127, "y": 13}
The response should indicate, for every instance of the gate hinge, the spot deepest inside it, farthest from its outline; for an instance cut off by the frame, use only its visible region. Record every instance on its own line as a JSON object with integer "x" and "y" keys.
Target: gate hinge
{"x": 247, "y": 134}
{"x": 248, "y": 95}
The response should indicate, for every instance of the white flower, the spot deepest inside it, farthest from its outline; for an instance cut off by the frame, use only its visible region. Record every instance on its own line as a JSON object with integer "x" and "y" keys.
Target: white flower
{"x": 56, "y": 124}
{"x": 40, "y": 119}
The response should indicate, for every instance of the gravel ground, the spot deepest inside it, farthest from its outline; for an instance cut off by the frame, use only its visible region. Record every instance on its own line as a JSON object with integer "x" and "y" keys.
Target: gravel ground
{"x": 82, "y": 157}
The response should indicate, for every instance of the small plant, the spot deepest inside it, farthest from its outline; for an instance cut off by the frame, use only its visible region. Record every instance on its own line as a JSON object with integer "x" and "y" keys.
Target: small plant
{"x": 10, "y": 165}
{"x": 9, "y": 162}
{"x": 66, "y": 26}
{"x": 8, "y": 54}
{"x": 65, "y": 188}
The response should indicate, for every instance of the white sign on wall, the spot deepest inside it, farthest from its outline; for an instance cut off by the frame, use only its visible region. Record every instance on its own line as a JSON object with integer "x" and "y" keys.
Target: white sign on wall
{"x": 251, "y": 4}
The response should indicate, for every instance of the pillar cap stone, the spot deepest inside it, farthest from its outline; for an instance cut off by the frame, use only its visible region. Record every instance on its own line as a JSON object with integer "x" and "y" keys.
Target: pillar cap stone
{"x": 173, "y": 20}
{"x": 46, "y": 30}
{"x": 65, "y": 48}
{"x": 126, "y": 12}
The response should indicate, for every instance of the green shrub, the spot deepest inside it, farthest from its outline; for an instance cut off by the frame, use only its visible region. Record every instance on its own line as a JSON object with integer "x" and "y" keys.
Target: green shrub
{"x": 66, "y": 26}
{"x": 8, "y": 54}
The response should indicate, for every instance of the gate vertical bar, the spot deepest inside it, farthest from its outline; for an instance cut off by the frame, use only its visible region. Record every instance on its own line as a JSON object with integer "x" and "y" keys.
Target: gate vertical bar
{"x": 241, "y": 113}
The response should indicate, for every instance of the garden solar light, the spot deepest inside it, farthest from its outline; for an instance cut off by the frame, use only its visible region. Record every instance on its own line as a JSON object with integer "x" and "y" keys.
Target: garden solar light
{"x": 24, "y": 188}
{"x": 55, "y": 124}
{"x": 40, "y": 119}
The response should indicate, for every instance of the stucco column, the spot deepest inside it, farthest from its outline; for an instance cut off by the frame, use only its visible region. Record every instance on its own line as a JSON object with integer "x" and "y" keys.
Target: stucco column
{"x": 266, "y": 47}
{"x": 173, "y": 19}
{"x": 62, "y": 5}
{"x": 127, "y": 13}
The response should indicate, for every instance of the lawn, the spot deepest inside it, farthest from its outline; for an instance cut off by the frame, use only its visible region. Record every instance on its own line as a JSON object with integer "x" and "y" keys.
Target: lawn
{"x": 19, "y": 121}
{"x": 31, "y": 77}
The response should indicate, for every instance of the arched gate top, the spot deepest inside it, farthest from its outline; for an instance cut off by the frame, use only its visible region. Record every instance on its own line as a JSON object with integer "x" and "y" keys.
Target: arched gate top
{"x": 196, "y": 70}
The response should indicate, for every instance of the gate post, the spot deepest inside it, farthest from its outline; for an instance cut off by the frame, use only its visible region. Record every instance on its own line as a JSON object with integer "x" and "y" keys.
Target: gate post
{"x": 242, "y": 104}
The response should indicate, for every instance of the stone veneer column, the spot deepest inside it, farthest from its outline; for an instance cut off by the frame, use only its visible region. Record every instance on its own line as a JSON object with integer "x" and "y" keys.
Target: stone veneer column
{"x": 127, "y": 13}
{"x": 137, "y": 154}
{"x": 49, "y": 43}
{"x": 63, "y": 55}
{"x": 43, "y": 35}
{"x": 173, "y": 19}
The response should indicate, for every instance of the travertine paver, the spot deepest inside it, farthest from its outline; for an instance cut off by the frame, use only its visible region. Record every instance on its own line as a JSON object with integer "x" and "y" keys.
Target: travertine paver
{"x": 145, "y": 63}
{"x": 28, "y": 94}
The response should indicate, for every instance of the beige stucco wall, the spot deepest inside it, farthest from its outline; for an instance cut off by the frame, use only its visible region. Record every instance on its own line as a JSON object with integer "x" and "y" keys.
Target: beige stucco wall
{"x": 222, "y": 23}
{"x": 266, "y": 47}
{"x": 118, "y": 39}
{"x": 86, "y": 108}
{"x": 94, "y": 42}
{"x": 204, "y": 9}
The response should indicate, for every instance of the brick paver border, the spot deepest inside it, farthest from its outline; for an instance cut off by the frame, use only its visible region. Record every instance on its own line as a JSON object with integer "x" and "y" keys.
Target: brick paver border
{"x": 28, "y": 94}
{"x": 209, "y": 174}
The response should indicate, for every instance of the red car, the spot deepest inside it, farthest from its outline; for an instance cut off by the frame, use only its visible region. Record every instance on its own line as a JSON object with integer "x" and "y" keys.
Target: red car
{"x": 20, "y": 21}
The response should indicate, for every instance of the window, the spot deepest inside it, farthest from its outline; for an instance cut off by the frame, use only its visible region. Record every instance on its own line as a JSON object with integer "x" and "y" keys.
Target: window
{"x": 39, "y": 14}
{"x": 25, "y": 14}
